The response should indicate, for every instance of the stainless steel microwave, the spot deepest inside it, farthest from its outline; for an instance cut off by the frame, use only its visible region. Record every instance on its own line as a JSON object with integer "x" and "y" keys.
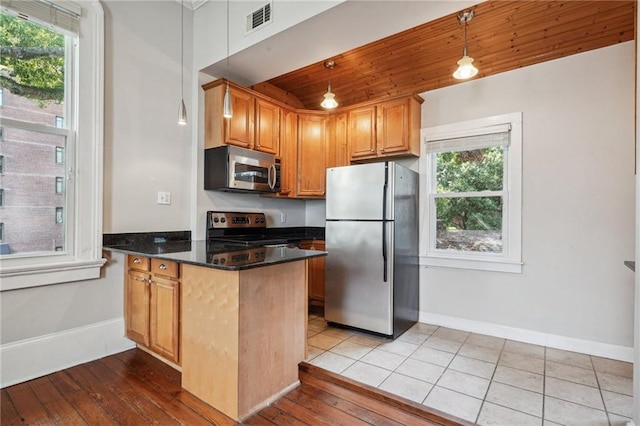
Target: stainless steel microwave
{"x": 230, "y": 168}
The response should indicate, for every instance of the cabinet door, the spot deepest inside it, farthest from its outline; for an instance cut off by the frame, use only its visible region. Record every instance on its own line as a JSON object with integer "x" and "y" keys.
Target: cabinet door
{"x": 239, "y": 128}
{"x": 137, "y": 307}
{"x": 338, "y": 153}
{"x": 362, "y": 133}
{"x": 267, "y": 127}
{"x": 165, "y": 318}
{"x": 311, "y": 163}
{"x": 316, "y": 276}
{"x": 398, "y": 127}
{"x": 288, "y": 150}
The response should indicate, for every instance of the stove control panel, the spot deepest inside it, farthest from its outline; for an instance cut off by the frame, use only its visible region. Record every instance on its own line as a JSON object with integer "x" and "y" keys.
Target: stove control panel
{"x": 216, "y": 220}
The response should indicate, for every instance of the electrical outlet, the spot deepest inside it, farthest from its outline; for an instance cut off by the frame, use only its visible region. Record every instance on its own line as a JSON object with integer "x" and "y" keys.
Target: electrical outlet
{"x": 283, "y": 217}
{"x": 164, "y": 197}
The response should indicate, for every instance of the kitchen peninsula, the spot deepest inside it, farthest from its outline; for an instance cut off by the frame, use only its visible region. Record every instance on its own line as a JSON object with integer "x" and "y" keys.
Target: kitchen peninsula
{"x": 239, "y": 316}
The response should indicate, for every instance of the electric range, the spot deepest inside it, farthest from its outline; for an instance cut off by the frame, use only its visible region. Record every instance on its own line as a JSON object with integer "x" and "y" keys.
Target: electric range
{"x": 237, "y": 238}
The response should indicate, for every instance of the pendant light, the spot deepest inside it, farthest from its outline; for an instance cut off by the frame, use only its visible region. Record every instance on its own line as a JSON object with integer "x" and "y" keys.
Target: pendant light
{"x": 465, "y": 64}
{"x": 329, "y": 101}
{"x": 227, "y": 106}
{"x": 182, "y": 113}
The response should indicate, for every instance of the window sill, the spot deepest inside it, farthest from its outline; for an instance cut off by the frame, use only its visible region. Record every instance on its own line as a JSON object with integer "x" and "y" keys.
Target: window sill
{"x": 476, "y": 264}
{"x": 29, "y": 276}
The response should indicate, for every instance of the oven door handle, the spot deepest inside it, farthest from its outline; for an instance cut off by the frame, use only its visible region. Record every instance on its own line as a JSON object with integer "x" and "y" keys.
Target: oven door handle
{"x": 272, "y": 177}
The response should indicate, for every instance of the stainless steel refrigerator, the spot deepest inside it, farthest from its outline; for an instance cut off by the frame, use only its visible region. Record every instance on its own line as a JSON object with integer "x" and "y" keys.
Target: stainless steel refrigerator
{"x": 372, "y": 275}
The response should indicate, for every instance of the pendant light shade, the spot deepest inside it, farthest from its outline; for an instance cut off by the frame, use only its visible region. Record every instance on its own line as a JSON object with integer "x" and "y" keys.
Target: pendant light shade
{"x": 227, "y": 106}
{"x": 329, "y": 101}
{"x": 466, "y": 69}
{"x": 182, "y": 113}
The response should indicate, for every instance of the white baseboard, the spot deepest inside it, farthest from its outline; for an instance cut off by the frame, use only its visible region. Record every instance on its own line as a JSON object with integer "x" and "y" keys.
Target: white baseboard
{"x": 605, "y": 350}
{"x": 31, "y": 358}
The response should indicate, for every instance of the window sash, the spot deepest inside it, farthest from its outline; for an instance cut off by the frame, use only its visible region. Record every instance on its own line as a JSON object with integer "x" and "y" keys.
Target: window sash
{"x": 497, "y": 136}
{"x": 63, "y": 15}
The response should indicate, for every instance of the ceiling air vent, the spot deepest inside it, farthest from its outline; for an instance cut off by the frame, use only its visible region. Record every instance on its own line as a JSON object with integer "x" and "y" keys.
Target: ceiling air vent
{"x": 259, "y": 18}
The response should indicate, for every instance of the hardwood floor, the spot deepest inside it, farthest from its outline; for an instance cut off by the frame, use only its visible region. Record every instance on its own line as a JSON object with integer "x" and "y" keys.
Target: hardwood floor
{"x": 134, "y": 388}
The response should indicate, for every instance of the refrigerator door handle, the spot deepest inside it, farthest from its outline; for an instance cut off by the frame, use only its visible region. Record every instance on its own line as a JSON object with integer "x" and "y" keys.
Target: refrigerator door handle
{"x": 384, "y": 252}
{"x": 384, "y": 223}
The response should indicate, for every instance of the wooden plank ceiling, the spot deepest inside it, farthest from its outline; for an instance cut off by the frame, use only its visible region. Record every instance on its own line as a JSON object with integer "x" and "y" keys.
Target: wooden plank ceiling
{"x": 503, "y": 35}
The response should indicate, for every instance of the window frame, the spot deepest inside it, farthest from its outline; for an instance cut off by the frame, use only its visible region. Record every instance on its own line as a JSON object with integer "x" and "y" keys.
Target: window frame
{"x": 82, "y": 257}
{"x": 510, "y": 260}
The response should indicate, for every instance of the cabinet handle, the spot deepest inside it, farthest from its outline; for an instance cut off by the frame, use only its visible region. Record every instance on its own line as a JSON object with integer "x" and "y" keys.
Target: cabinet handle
{"x": 163, "y": 266}
{"x": 136, "y": 260}
{"x": 381, "y": 149}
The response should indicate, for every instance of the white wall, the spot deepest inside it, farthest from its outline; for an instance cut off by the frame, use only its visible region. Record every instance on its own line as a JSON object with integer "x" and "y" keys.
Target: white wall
{"x": 578, "y": 200}
{"x": 146, "y": 151}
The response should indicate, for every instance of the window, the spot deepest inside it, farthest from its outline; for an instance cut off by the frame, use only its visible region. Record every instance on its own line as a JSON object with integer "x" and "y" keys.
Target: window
{"x": 59, "y": 155}
{"x": 1, "y": 164}
{"x": 53, "y": 116}
{"x": 1, "y": 231}
{"x": 1, "y": 96}
{"x": 59, "y": 215}
{"x": 473, "y": 185}
{"x": 1, "y": 197}
{"x": 59, "y": 185}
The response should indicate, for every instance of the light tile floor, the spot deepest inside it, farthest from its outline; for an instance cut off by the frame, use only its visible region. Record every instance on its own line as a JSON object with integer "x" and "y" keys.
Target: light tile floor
{"x": 483, "y": 379}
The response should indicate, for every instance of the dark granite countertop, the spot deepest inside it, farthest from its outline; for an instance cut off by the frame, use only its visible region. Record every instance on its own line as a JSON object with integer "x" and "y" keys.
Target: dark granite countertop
{"x": 197, "y": 253}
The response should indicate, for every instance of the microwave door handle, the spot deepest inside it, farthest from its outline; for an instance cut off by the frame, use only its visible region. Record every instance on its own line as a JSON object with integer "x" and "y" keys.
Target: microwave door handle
{"x": 272, "y": 172}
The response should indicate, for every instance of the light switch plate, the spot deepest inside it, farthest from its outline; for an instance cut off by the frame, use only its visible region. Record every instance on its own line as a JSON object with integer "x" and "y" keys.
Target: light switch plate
{"x": 164, "y": 197}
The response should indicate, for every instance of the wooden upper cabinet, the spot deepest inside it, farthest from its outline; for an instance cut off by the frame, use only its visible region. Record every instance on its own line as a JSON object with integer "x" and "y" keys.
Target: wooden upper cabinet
{"x": 267, "y": 137}
{"x": 362, "y": 132}
{"x": 337, "y": 147}
{"x": 237, "y": 130}
{"x": 398, "y": 127}
{"x": 288, "y": 152}
{"x": 312, "y": 151}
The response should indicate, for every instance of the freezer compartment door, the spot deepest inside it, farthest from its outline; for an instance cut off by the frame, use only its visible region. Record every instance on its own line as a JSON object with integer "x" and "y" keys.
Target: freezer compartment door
{"x": 360, "y": 192}
{"x": 356, "y": 292}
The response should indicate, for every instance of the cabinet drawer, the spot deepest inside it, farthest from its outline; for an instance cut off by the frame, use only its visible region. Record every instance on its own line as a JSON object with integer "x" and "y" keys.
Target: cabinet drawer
{"x": 165, "y": 268}
{"x": 140, "y": 263}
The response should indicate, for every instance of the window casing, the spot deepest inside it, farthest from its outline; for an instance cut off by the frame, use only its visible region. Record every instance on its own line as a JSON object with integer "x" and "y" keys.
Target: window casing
{"x": 472, "y": 188}
{"x": 79, "y": 255}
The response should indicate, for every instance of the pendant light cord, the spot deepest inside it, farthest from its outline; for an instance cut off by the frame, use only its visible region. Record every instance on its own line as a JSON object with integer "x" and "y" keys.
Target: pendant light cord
{"x": 464, "y": 53}
{"x": 182, "y": 49}
{"x": 228, "y": 42}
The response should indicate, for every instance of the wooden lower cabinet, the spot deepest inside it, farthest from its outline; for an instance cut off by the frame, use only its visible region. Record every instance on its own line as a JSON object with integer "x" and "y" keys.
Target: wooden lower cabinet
{"x": 137, "y": 306}
{"x": 164, "y": 326}
{"x": 315, "y": 276}
{"x": 152, "y": 305}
